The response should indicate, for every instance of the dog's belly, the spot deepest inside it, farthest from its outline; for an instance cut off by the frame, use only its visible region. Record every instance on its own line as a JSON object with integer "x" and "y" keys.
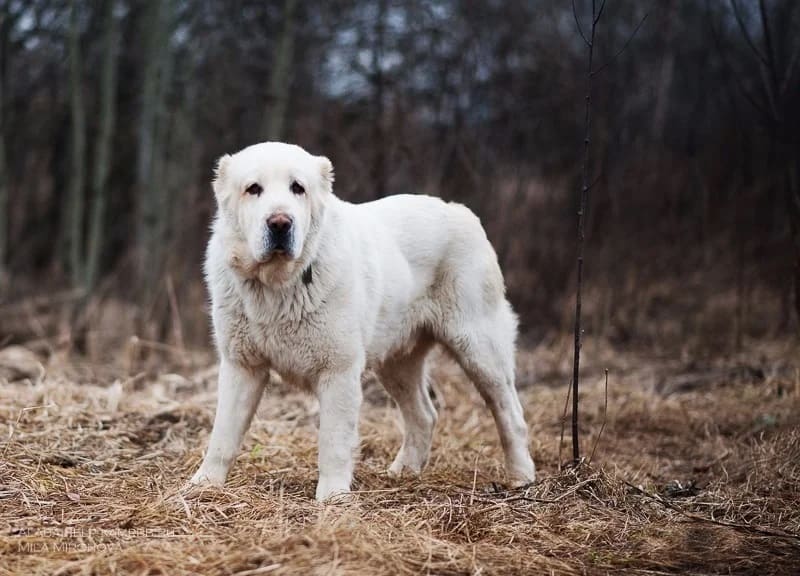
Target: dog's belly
{"x": 403, "y": 313}
{"x": 399, "y": 349}
{"x": 402, "y": 323}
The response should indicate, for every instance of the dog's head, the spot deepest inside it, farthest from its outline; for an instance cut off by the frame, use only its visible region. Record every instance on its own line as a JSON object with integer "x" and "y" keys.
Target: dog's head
{"x": 271, "y": 199}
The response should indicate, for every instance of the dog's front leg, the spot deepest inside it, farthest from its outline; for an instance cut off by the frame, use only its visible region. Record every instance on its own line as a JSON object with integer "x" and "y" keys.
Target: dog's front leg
{"x": 238, "y": 394}
{"x": 339, "y": 404}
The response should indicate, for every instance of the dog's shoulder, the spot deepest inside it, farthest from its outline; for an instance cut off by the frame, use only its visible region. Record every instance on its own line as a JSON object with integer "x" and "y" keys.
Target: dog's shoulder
{"x": 229, "y": 319}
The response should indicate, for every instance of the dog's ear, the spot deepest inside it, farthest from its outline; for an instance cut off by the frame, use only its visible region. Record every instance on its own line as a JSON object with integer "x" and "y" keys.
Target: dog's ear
{"x": 218, "y": 183}
{"x": 326, "y": 171}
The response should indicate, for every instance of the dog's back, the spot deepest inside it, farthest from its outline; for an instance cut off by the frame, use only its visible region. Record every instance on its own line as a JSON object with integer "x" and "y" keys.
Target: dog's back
{"x": 445, "y": 246}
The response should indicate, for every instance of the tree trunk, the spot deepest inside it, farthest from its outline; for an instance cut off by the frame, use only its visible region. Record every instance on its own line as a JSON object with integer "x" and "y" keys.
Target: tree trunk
{"x": 75, "y": 198}
{"x": 665, "y": 74}
{"x": 793, "y": 197}
{"x": 150, "y": 146}
{"x": 160, "y": 182}
{"x": 379, "y": 160}
{"x": 4, "y": 219}
{"x": 280, "y": 79}
{"x": 102, "y": 161}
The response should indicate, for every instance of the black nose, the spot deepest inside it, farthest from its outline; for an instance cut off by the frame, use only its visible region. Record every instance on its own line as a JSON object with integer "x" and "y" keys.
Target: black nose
{"x": 279, "y": 224}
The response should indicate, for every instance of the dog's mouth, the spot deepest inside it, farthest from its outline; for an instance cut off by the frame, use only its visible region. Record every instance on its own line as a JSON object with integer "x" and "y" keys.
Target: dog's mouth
{"x": 276, "y": 255}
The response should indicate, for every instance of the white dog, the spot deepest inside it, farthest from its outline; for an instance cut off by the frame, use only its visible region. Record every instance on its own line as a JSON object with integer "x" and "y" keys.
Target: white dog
{"x": 319, "y": 290}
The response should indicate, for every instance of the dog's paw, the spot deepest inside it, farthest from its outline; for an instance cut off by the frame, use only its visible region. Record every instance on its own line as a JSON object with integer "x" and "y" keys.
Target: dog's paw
{"x": 524, "y": 474}
{"x": 406, "y": 465}
{"x": 204, "y": 479}
{"x": 395, "y": 471}
{"x": 516, "y": 484}
{"x": 400, "y": 470}
{"x": 333, "y": 491}
{"x": 340, "y": 498}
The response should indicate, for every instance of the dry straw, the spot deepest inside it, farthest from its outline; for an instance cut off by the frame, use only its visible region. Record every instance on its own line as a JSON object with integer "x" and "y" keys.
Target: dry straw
{"x": 705, "y": 481}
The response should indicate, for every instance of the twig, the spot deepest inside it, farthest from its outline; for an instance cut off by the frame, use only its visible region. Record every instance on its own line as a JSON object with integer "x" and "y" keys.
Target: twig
{"x": 563, "y": 425}
{"x": 578, "y": 24}
{"x": 595, "y": 181}
{"x": 260, "y": 570}
{"x": 596, "y": 19}
{"x": 698, "y": 518}
{"x": 771, "y": 87}
{"x": 13, "y": 427}
{"x": 610, "y": 61}
{"x": 175, "y": 313}
{"x": 498, "y": 504}
{"x": 728, "y": 67}
{"x": 584, "y": 199}
{"x": 789, "y": 70}
{"x": 603, "y": 425}
{"x": 746, "y": 34}
{"x": 474, "y": 479}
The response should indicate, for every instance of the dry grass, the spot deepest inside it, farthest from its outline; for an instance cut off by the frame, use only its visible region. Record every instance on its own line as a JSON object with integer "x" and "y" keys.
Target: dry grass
{"x": 705, "y": 479}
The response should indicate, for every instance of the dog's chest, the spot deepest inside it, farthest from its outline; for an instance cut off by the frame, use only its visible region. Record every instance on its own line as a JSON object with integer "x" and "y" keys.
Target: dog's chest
{"x": 297, "y": 350}
{"x": 290, "y": 348}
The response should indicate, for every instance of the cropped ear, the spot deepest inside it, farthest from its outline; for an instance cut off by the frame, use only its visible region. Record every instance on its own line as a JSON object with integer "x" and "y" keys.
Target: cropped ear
{"x": 218, "y": 183}
{"x": 326, "y": 171}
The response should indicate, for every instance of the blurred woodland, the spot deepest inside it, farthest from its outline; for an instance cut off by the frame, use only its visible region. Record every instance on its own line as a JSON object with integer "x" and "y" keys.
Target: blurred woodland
{"x": 113, "y": 112}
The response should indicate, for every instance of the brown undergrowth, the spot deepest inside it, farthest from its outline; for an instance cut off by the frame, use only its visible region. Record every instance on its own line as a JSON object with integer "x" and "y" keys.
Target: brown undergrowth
{"x": 692, "y": 476}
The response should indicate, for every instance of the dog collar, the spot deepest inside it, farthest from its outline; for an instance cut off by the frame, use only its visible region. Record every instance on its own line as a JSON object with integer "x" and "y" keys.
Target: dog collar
{"x": 307, "y": 275}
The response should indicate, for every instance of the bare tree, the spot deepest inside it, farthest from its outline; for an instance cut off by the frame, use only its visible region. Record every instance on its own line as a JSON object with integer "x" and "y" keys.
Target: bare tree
{"x": 582, "y": 207}
{"x": 665, "y": 73}
{"x": 472, "y": 101}
{"x": 591, "y": 72}
{"x": 280, "y": 78}
{"x": 152, "y": 197}
{"x": 75, "y": 197}
{"x": 778, "y": 59}
{"x": 3, "y": 164}
{"x": 102, "y": 160}
{"x": 378, "y": 100}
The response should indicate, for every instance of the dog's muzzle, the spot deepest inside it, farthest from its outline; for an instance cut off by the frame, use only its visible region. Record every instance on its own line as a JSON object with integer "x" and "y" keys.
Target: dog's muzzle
{"x": 280, "y": 234}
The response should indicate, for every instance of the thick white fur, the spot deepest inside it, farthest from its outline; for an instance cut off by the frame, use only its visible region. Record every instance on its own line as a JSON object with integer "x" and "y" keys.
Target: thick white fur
{"x": 389, "y": 279}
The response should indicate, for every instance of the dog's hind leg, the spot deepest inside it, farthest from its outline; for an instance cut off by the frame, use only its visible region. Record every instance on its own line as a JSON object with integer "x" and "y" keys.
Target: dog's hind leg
{"x": 405, "y": 378}
{"x": 484, "y": 347}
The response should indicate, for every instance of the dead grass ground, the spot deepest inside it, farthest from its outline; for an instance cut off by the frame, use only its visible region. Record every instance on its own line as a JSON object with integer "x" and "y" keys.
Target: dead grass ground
{"x": 697, "y": 472}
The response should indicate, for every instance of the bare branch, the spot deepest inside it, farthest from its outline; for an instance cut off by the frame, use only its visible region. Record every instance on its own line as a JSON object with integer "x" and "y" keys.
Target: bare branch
{"x": 624, "y": 47}
{"x": 582, "y": 209}
{"x": 595, "y": 181}
{"x": 563, "y": 423}
{"x": 578, "y": 24}
{"x": 738, "y": 16}
{"x": 603, "y": 425}
{"x": 765, "y": 114}
{"x": 600, "y": 12}
{"x": 772, "y": 68}
{"x": 752, "y": 528}
{"x": 752, "y": 100}
{"x": 787, "y": 78}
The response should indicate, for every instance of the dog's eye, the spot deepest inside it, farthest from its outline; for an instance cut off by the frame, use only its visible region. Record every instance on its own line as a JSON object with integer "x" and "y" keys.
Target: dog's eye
{"x": 254, "y": 189}
{"x": 297, "y": 188}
